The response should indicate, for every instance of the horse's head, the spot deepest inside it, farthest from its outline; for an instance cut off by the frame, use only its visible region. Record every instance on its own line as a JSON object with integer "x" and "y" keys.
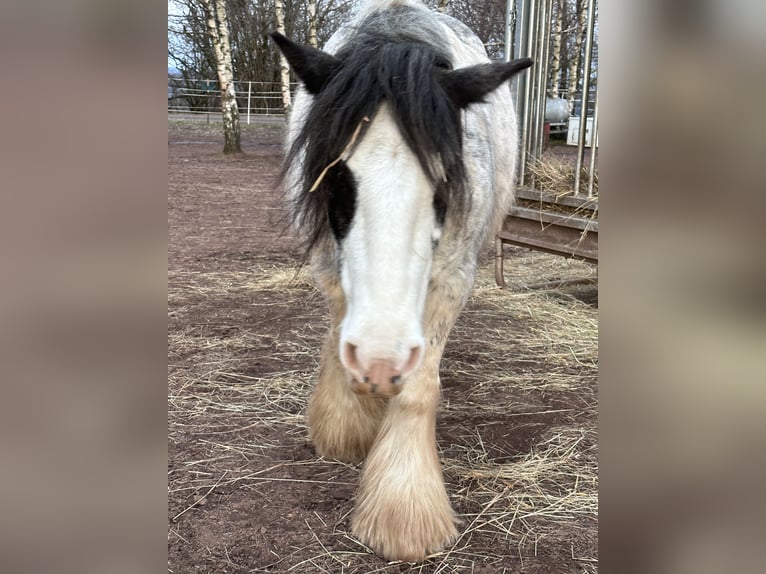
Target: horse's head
{"x": 380, "y": 149}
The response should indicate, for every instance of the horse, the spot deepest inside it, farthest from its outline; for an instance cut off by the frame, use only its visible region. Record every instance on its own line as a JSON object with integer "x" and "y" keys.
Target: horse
{"x": 400, "y": 164}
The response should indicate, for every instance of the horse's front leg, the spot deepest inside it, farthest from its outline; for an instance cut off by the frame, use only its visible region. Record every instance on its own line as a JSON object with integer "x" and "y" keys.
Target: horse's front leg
{"x": 342, "y": 424}
{"x": 402, "y": 509}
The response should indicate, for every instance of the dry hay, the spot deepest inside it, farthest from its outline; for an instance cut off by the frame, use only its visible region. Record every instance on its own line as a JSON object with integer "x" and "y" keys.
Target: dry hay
{"x": 519, "y": 501}
{"x": 556, "y": 173}
{"x": 288, "y": 280}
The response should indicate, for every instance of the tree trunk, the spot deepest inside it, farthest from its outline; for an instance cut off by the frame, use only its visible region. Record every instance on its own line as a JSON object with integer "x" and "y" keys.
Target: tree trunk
{"x": 576, "y": 57}
{"x": 218, "y": 30}
{"x": 312, "y": 10}
{"x": 284, "y": 69}
{"x": 556, "y": 41}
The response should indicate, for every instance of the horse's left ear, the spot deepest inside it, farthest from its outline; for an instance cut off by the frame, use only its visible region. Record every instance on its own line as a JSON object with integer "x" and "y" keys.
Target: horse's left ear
{"x": 469, "y": 85}
{"x": 313, "y": 67}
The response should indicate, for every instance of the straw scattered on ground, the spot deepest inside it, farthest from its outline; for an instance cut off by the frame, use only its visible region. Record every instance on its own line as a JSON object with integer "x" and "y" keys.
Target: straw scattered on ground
{"x": 555, "y": 172}
{"x": 520, "y": 501}
{"x": 516, "y": 429}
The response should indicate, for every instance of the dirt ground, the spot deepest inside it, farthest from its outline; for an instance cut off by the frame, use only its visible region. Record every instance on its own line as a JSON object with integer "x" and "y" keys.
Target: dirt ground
{"x": 517, "y": 427}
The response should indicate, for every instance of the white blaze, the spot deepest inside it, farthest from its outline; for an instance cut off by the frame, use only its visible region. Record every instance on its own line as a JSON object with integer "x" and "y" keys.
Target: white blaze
{"x": 387, "y": 253}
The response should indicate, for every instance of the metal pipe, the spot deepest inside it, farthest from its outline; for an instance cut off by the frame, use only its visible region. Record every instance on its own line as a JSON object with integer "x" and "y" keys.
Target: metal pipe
{"x": 249, "y": 89}
{"x": 520, "y": 38}
{"x": 525, "y": 31}
{"x": 507, "y": 48}
{"x": 530, "y": 7}
{"x": 585, "y": 90}
{"x": 542, "y": 93}
{"x": 593, "y": 147}
{"x": 513, "y": 24}
{"x": 535, "y": 128}
{"x": 531, "y": 85}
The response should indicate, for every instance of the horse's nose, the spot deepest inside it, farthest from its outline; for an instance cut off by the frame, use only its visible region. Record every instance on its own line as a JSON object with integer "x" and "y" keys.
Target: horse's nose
{"x": 379, "y": 376}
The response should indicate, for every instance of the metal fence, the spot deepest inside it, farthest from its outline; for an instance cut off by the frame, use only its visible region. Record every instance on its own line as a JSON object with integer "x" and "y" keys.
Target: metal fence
{"x": 528, "y": 34}
{"x": 562, "y": 221}
{"x": 190, "y": 96}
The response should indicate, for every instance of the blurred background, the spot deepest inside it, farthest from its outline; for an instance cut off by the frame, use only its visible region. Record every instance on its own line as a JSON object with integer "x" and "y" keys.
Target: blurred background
{"x": 83, "y": 305}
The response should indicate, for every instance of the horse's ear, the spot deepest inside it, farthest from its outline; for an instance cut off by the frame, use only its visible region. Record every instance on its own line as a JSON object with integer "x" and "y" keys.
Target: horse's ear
{"x": 313, "y": 67}
{"x": 469, "y": 85}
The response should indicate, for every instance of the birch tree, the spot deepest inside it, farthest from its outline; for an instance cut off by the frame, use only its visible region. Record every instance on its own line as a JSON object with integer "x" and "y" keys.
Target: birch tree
{"x": 284, "y": 69}
{"x": 486, "y": 19}
{"x": 556, "y": 42}
{"x": 575, "y": 61}
{"x": 312, "y": 13}
{"x": 218, "y": 30}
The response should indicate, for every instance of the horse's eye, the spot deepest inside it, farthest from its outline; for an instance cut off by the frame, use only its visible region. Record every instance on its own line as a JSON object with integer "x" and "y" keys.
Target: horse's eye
{"x": 443, "y": 64}
{"x": 342, "y": 199}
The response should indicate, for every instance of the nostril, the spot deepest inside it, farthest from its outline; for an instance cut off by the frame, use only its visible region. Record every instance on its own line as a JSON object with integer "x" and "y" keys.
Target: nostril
{"x": 381, "y": 367}
{"x": 349, "y": 354}
{"x": 413, "y": 360}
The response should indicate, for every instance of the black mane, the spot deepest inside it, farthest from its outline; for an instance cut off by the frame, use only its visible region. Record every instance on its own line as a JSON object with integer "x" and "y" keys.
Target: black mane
{"x": 377, "y": 66}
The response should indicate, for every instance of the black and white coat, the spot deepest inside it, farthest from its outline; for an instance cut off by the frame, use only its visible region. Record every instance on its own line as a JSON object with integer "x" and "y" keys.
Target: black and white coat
{"x": 401, "y": 160}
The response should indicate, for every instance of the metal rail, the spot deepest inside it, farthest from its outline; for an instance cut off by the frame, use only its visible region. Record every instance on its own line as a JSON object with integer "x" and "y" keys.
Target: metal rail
{"x": 547, "y": 228}
{"x": 552, "y": 226}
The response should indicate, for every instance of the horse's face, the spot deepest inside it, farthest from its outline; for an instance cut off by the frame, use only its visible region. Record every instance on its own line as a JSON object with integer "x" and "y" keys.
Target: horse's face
{"x": 385, "y": 258}
{"x": 386, "y": 201}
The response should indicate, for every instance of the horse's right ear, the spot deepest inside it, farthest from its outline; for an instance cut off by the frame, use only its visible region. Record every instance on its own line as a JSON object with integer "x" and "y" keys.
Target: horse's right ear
{"x": 313, "y": 67}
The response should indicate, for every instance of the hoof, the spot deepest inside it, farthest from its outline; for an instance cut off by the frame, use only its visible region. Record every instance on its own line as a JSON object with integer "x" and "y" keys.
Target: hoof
{"x": 409, "y": 532}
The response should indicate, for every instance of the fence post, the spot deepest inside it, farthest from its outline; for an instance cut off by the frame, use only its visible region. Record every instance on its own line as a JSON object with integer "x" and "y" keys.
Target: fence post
{"x": 593, "y": 134}
{"x": 524, "y": 47}
{"x": 585, "y": 94}
{"x": 249, "y": 89}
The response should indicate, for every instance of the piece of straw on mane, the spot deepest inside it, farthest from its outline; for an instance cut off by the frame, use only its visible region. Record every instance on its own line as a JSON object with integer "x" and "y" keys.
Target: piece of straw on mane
{"x": 342, "y": 155}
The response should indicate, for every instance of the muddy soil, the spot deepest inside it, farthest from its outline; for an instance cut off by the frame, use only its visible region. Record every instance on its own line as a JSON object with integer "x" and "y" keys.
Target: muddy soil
{"x": 247, "y": 493}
